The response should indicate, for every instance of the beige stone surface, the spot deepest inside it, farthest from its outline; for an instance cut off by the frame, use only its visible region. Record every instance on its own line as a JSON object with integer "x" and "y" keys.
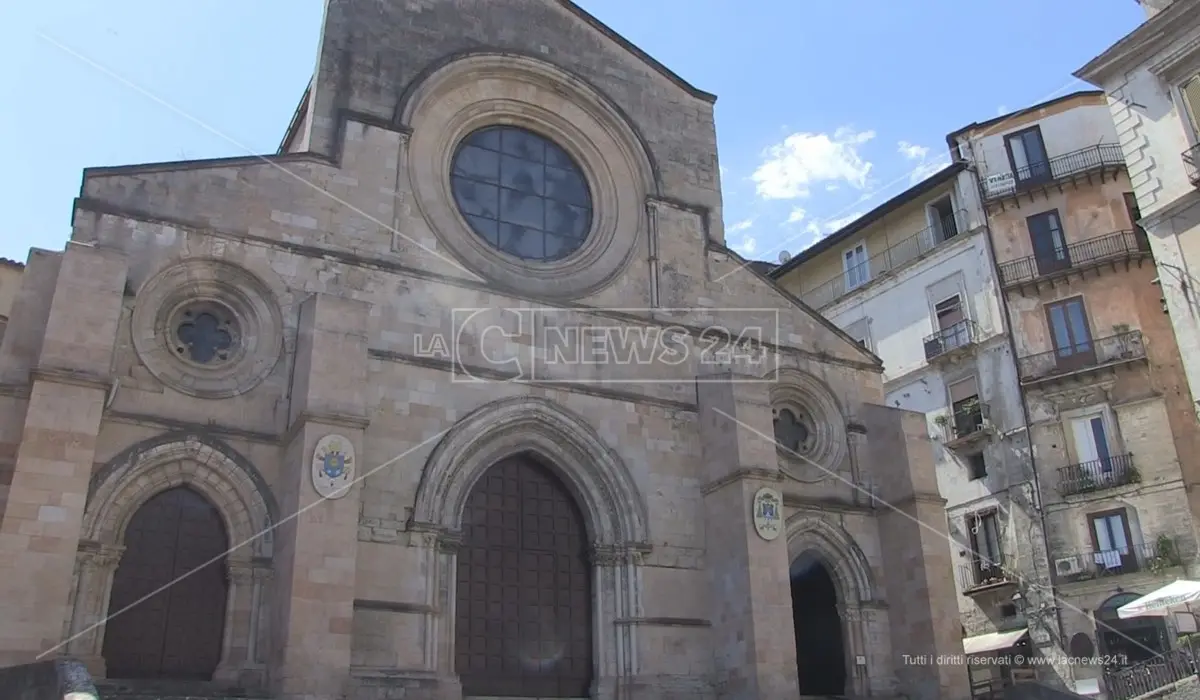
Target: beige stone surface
{"x": 351, "y": 256}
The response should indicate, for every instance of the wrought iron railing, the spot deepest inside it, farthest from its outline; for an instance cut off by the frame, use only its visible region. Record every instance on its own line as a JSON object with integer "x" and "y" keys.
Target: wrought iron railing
{"x": 1097, "y": 475}
{"x": 1155, "y": 556}
{"x": 961, "y": 334}
{"x": 1148, "y": 676}
{"x": 1191, "y": 164}
{"x": 982, "y": 572}
{"x": 968, "y": 420}
{"x": 1082, "y": 355}
{"x": 1110, "y": 246}
{"x": 1052, "y": 170}
{"x": 895, "y": 256}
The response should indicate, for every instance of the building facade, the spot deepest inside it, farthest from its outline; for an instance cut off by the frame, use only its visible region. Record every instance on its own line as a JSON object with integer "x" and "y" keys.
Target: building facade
{"x": 293, "y": 423}
{"x": 1150, "y": 77}
{"x": 1103, "y": 382}
{"x": 947, "y": 356}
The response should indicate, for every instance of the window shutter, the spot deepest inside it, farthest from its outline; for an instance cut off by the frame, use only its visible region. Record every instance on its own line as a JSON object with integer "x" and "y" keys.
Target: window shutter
{"x": 1191, "y": 97}
{"x": 963, "y": 390}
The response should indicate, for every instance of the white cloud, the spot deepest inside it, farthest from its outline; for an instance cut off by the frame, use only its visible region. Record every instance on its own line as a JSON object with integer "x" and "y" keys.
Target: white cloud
{"x": 741, "y": 225}
{"x": 797, "y": 215}
{"x": 831, "y": 188}
{"x": 1001, "y": 110}
{"x": 803, "y": 159}
{"x": 913, "y": 151}
{"x": 746, "y": 246}
{"x": 839, "y": 223}
{"x": 926, "y": 168}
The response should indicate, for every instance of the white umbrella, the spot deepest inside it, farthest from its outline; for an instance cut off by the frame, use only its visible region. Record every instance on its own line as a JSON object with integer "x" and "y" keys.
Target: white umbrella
{"x": 1163, "y": 602}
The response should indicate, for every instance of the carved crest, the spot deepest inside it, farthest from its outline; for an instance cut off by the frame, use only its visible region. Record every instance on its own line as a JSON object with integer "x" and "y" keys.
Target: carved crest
{"x": 333, "y": 466}
{"x": 768, "y": 513}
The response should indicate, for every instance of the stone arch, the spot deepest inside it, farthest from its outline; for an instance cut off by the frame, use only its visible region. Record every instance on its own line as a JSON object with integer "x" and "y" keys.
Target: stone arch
{"x": 213, "y": 469}
{"x": 838, "y": 552}
{"x": 516, "y": 60}
{"x": 612, "y": 504}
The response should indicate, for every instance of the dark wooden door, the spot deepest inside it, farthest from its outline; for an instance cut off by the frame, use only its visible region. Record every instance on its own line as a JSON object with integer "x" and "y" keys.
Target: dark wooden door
{"x": 523, "y": 624}
{"x": 1049, "y": 243}
{"x": 168, "y": 593}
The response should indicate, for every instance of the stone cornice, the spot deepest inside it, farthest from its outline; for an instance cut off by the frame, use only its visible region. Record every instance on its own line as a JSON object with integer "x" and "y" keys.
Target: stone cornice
{"x": 332, "y": 419}
{"x": 744, "y": 473}
{"x": 1153, "y": 34}
{"x": 59, "y": 375}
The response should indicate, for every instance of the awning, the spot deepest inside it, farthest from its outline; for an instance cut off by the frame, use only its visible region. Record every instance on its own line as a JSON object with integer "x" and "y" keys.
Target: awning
{"x": 1164, "y": 601}
{"x": 993, "y": 641}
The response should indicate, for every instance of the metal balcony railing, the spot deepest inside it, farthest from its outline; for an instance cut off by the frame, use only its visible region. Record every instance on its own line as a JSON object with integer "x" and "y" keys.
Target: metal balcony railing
{"x": 982, "y": 572}
{"x": 1148, "y": 676}
{"x": 1049, "y": 171}
{"x": 1082, "y": 355}
{"x": 967, "y": 420}
{"x": 1191, "y": 164}
{"x": 1111, "y": 246}
{"x": 1097, "y": 475}
{"x": 893, "y": 257}
{"x": 961, "y": 334}
{"x": 1155, "y": 556}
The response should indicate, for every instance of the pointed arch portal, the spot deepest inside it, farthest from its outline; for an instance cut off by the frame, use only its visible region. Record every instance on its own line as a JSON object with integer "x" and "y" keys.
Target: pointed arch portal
{"x": 169, "y": 592}
{"x": 820, "y": 647}
{"x": 523, "y": 624}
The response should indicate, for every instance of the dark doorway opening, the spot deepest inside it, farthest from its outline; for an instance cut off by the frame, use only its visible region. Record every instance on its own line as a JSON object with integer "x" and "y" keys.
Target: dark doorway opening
{"x": 523, "y": 625}
{"x": 820, "y": 654}
{"x": 167, "y": 606}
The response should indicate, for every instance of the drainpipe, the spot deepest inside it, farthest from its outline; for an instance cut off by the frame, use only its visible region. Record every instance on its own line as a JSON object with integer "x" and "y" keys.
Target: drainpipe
{"x": 1012, "y": 348}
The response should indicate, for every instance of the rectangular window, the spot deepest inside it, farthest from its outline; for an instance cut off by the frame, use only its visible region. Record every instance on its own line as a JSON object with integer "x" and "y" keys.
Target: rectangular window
{"x": 854, "y": 262}
{"x": 1048, "y": 241}
{"x": 985, "y": 546}
{"x": 1070, "y": 334}
{"x": 1112, "y": 541}
{"x": 1135, "y": 215}
{"x": 1190, "y": 91}
{"x": 967, "y": 413}
{"x": 1027, "y": 156}
{"x": 976, "y": 466}
{"x": 944, "y": 223}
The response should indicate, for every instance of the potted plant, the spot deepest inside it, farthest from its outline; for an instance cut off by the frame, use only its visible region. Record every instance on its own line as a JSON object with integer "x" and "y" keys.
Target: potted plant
{"x": 1165, "y": 555}
{"x": 1124, "y": 348}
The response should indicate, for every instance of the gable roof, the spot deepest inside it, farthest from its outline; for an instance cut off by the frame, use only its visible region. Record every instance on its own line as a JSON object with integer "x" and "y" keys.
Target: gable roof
{"x": 950, "y": 138}
{"x": 922, "y": 187}
{"x": 633, "y": 49}
{"x": 1162, "y": 27}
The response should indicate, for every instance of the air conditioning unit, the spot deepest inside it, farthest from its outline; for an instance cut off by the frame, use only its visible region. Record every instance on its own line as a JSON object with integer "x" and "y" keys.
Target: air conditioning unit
{"x": 1067, "y": 567}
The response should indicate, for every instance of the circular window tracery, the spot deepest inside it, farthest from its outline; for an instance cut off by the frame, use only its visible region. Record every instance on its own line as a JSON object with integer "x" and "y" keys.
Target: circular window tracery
{"x": 794, "y": 430}
{"x": 521, "y": 193}
{"x": 205, "y": 333}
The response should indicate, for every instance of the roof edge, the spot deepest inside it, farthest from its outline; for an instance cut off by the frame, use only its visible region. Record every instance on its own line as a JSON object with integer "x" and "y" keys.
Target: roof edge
{"x": 1132, "y": 44}
{"x": 940, "y": 177}
{"x": 950, "y": 137}
{"x": 632, "y": 48}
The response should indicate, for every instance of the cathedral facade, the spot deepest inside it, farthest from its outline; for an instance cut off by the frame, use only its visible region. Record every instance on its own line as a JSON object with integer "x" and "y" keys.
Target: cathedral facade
{"x": 335, "y": 422}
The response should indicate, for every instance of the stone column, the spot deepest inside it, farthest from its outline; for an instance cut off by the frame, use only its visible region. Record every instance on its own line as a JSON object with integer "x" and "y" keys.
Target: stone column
{"x": 616, "y": 572}
{"x": 238, "y": 618}
{"x": 85, "y": 637}
{"x": 912, "y": 532}
{"x": 39, "y": 531}
{"x": 317, "y": 539}
{"x": 755, "y": 650}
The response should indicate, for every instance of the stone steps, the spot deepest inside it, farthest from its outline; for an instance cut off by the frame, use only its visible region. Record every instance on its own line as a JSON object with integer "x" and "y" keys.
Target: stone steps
{"x": 173, "y": 690}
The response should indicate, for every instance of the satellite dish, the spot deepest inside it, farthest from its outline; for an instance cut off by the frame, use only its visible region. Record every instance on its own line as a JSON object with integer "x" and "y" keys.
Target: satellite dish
{"x": 784, "y": 256}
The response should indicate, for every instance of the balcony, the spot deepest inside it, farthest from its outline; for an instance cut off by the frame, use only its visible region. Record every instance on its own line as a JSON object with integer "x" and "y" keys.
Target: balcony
{"x": 1085, "y": 357}
{"x": 1091, "y": 254}
{"x": 1101, "y": 160}
{"x": 1097, "y": 475}
{"x": 945, "y": 342}
{"x": 898, "y": 255}
{"x": 1148, "y": 676}
{"x": 1191, "y": 164}
{"x": 968, "y": 423}
{"x": 1154, "y": 557}
{"x": 982, "y": 575}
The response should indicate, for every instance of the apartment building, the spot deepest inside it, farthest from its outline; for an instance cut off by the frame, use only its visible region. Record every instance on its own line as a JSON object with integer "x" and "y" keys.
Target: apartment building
{"x": 914, "y": 282}
{"x": 1152, "y": 79}
{"x": 1102, "y": 379}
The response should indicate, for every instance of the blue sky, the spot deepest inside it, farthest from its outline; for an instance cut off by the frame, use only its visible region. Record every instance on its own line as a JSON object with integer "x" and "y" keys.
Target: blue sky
{"x": 825, "y": 110}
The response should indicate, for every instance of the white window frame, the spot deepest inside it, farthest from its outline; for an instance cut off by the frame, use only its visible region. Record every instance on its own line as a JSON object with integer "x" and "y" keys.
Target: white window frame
{"x": 865, "y": 265}
{"x": 1109, "y": 420}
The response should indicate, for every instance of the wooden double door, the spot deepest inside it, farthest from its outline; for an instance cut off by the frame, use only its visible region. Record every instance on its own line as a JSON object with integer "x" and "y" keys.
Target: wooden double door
{"x": 167, "y": 607}
{"x": 523, "y": 625}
